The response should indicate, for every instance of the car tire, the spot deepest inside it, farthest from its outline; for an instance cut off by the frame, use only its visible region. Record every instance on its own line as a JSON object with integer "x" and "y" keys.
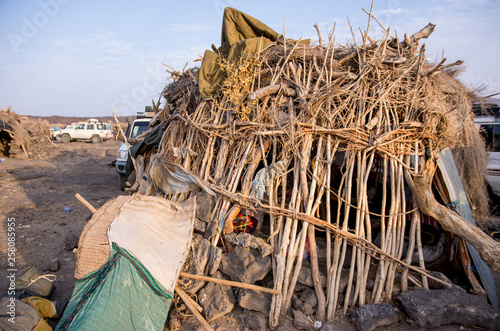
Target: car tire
{"x": 95, "y": 139}
{"x": 65, "y": 138}
{"x": 122, "y": 181}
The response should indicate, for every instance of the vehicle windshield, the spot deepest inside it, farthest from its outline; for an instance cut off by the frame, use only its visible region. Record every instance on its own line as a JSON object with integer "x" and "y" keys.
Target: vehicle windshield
{"x": 491, "y": 134}
{"x": 139, "y": 128}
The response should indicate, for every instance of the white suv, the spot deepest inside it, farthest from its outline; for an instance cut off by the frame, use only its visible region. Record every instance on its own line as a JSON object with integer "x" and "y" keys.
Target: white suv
{"x": 92, "y": 130}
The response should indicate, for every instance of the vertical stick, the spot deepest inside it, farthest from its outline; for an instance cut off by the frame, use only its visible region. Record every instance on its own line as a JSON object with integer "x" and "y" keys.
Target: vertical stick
{"x": 411, "y": 243}
{"x": 125, "y": 139}
{"x": 380, "y": 279}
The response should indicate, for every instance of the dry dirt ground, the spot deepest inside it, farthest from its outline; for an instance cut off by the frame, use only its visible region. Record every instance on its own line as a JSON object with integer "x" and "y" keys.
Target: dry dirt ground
{"x": 35, "y": 192}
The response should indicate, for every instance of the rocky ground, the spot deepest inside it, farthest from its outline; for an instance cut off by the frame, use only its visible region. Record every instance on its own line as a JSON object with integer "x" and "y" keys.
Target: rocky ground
{"x": 40, "y": 196}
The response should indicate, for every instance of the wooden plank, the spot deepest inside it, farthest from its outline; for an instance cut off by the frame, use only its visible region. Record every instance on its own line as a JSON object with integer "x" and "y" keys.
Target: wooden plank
{"x": 451, "y": 177}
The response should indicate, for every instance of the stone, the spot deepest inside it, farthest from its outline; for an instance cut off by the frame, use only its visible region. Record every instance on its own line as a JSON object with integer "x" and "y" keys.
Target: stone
{"x": 305, "y": 275}
{"x": 217, "y": 300}
{"x": 301, "y": 322}
{"x": 211, "y": 231}
{"x": 200, "y": 226}
{"x": 54, "y": 265}
{"x": 205, "y": 204}
{"x": 255, "y": 322}
{"x": 296, "y": 303}
{"x": 309, "y": 297}
{"x": 196, "y": 262}
{"x": 369, "y": 317}
{"x": 300, "y": 287}
{"x": 433, "y": 308}
{"x": 215, "y": 257}
{"x": 70, "y": 242}
{"x": 309, "y": 301}
{"x": 439, "y": 286}
{"x": 286, "y": 327}
{"x": 253, "y": 300}
{"x": 328, "y": 326}
{"x": 247, "y": 240}
{"x": 245, "y": 265}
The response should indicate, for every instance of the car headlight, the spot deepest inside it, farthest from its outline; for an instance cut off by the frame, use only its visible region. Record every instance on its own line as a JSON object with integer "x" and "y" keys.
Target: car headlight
{"x": 122, "y": 155}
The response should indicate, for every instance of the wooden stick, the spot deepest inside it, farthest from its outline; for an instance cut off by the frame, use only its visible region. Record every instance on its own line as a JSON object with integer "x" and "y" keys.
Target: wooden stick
{"x": 188, "y": 301}
{"x": 424, "y": 33}
{"x": 24, "y": 150}
{"x": 50, "y": 141}
{"x": 85, "y": 202}
{"x": 194, "y": 303}
{"x": 230, "y": 283}
{"x": 125, "y": 139}
{"x": 319, "y": 34}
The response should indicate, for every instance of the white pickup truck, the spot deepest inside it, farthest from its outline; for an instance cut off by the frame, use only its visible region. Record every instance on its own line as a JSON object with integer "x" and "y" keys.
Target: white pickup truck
{"x": 92, "y": 130}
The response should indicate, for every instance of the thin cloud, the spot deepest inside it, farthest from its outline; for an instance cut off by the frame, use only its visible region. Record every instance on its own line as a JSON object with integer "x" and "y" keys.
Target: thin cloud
{"x": 187, "y": 27}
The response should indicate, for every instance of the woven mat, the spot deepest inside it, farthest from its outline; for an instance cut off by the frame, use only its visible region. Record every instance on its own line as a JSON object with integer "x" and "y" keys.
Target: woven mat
{"x": 93, "y": 247}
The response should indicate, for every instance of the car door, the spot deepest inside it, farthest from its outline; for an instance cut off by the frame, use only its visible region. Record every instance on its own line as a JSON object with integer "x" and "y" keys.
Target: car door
{"x": 491, "y": 134}
{"x": 79, "y": 131}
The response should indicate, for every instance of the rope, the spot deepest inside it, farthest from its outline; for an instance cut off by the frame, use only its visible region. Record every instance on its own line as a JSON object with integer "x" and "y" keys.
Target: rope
{"x": 472, "y": 267}
{"x": 456, "y": 206}
{"x": 46, "y": 277}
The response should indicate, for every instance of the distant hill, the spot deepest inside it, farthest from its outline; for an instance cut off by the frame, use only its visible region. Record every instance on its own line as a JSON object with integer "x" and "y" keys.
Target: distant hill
{"x": 66, "y": 120}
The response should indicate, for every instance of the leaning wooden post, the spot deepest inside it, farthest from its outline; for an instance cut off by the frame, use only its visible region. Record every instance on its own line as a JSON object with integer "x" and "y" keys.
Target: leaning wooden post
{"x": 487, "y": 247}
{"x": 125, "y": 139}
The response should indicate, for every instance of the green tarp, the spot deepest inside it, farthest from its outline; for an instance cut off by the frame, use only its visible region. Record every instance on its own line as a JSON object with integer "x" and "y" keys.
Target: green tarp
{"x": 241, "y": 34}
{"x": 121, "y": 295}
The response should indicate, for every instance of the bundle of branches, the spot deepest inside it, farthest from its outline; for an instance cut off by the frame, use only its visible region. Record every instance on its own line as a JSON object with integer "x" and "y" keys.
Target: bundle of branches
{"x": 309, "y": 135}
{"x": 22, "y": 137}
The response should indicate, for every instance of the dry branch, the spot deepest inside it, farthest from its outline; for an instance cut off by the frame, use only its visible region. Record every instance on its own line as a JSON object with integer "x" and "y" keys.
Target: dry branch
{"x": 488, "y": 248}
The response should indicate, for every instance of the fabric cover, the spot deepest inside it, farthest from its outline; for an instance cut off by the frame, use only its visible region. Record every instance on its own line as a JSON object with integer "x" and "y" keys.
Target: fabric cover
{"x": 121, "y": 295}
{"x": 241, "y": 35}
{"x": 157, "y": 232}
{"x": 149, "y": 239}
{"x": 26, "y": 317}
{"x": 171, "y": 178}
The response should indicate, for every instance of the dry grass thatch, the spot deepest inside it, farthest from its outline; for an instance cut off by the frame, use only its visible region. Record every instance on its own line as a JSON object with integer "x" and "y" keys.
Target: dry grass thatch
{"x": 22, "y": 137}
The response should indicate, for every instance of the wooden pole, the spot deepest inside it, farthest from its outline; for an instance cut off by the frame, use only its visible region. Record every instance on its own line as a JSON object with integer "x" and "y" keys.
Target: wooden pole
{"x": 125, "y": 139}
{"x": 85, "y": 202}
{"x": 188, "y": 301}
{"x": 230, "y": 283}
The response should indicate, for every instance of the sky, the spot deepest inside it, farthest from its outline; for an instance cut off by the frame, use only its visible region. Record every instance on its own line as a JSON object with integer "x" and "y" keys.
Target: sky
{"x": 84, "y": 58}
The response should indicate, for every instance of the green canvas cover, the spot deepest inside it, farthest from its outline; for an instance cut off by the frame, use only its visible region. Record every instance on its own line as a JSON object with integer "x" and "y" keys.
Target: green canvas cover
{"x": 241, "y": 34}
{"x": 121, "y": 295}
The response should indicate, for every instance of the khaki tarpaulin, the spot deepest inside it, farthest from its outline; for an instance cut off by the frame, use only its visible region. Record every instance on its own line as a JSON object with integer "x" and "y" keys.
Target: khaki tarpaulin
{"x": 16, "y": 315}
{"x": 241, "y": 34}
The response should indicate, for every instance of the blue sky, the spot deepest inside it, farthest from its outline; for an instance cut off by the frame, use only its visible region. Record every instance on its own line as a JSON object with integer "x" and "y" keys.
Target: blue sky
{"x": 83, "y": 58}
